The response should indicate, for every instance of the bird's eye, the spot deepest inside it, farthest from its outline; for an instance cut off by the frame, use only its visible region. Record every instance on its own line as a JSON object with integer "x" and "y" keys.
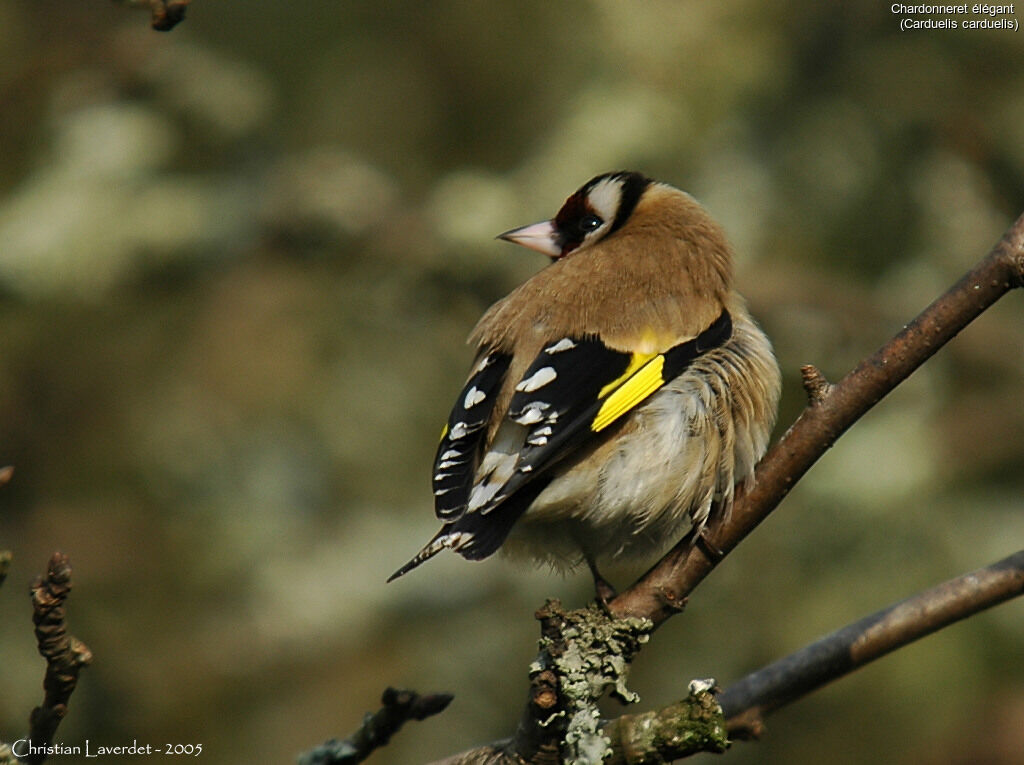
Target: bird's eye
{"x": 590, "y": 223}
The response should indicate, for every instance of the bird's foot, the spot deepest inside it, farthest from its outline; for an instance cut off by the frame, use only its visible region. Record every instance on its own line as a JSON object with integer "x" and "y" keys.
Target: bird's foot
{"x": 709, "y": 548}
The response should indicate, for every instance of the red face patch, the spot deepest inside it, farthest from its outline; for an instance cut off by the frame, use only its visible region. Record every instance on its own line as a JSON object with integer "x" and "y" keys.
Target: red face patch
{"x": 569, "y": 221}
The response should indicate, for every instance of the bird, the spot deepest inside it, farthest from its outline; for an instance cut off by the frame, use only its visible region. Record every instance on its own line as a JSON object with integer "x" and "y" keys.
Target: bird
{"x": 617, "y": 397}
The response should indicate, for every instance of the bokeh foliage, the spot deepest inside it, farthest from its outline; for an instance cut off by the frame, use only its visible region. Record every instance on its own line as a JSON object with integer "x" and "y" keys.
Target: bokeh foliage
{"x": 238, "y": 262}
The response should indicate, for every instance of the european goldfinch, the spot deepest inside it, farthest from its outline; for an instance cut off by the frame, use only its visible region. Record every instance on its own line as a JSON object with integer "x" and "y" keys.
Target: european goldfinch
{"x": 617, "y": 397}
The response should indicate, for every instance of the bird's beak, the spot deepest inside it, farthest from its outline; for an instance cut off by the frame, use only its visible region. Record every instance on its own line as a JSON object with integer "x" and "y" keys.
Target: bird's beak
{"x": 542, "y": 237}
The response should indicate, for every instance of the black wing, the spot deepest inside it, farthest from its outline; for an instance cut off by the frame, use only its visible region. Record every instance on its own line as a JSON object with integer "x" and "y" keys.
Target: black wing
{"x": 458, "y": 454}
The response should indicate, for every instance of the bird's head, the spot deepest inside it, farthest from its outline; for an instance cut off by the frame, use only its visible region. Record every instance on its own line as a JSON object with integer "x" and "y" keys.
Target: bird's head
{"x": 597, "y": 209}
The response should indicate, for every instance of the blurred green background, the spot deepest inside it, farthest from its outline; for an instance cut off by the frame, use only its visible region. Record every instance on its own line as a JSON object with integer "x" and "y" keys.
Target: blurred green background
{"x": 238, "y": 263}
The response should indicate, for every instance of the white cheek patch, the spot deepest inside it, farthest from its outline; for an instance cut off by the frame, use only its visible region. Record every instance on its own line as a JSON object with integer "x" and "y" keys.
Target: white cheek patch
{"x": 605, "y": 197}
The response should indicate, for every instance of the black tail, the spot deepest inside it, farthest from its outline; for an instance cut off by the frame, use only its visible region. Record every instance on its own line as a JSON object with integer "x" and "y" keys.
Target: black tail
{"x": 476, "y": 536}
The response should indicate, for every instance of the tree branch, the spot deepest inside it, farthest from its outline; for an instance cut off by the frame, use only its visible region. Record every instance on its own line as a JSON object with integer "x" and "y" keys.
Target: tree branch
{"x": 838, "y": 654}
{"x": 398, "y": 707}
{"x": 166, "y": 14}
{"x": 5, "y": 565}
{"x": 662, "y": 591}
{"x": 584, "y": 653}
{"x": 693, "y": 725}
{"x": 6, "y": 755}
{"x": 679, "y": 730}
{"x": 65, "y": 655}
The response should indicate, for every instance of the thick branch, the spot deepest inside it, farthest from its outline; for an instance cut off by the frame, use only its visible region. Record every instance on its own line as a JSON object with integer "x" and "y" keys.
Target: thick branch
{"x": 679, "y": 730}
{"x": 662, "y": 591}
{"x": 840, "y": 653}
{"x": 584, "y": 654}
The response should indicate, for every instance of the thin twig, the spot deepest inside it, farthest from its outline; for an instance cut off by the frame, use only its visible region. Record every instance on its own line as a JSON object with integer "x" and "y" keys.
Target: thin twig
{"x": 662, "y": 591}
{"x": 872, "y": 637}
{"x": 399, "y": 707}
{"x": 65, "y": 655}
{"x": 6, "y": 755}
{"x": 815, "y": 384}
{"x": 5, "y": 564}
{"x": 166, "y": 14}
{"x": 6, "y": 474}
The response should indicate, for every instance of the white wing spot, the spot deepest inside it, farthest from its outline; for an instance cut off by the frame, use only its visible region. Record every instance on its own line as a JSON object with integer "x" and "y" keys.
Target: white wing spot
{"x": 482, "y": 364}
{"x": 530, "y": 416}
{"x": 538, "y": 379}
{"x": 481, "y": 495}
{"x": 565, "y": 344}
{"x": 473, "y": 397}
{"x": 458, "y": 430}
{"x": 532, "y": 413}
{"x": 451, "y": 454}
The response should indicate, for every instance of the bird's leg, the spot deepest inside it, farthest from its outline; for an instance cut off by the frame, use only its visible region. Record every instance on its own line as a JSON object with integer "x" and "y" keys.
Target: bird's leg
{"x": 718, "y": 516}
{"x": 602, "y": 587}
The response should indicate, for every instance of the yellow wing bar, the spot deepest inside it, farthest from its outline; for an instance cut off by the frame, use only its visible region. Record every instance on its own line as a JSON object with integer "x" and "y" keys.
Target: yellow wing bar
{"x": 631, "y": 392}
{"x": 636, "y": 361}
